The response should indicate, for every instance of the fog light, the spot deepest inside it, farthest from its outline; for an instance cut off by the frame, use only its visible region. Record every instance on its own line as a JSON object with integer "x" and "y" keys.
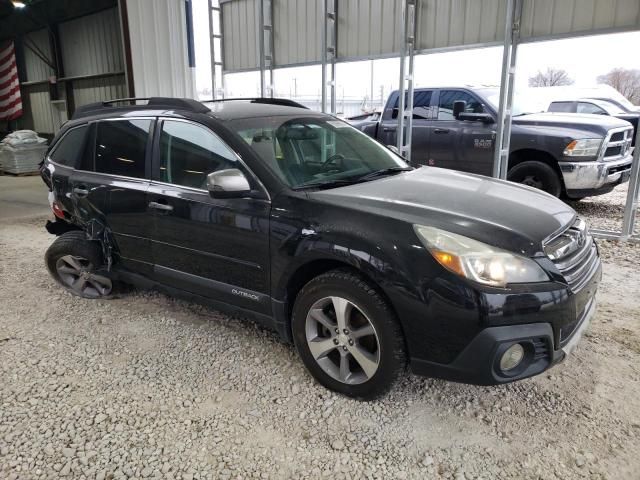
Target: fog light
{"x": 512, "y": 357}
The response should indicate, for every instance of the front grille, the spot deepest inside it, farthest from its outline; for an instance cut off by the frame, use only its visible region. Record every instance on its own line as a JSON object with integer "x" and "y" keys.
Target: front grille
{"x": 574, "y": 254}
{"x": 618, "y": 144}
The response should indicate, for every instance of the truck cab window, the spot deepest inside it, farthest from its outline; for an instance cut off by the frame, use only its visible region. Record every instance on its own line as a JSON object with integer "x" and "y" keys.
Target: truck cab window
{"x": 447, "y": 97}
{"x": 421, "y": 105}
{"x": 586, "y": 107}
{"x": 566, "y": 107}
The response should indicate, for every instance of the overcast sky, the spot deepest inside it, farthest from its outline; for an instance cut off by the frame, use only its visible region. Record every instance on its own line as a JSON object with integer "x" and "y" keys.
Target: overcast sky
{"x": 583, "y": 58}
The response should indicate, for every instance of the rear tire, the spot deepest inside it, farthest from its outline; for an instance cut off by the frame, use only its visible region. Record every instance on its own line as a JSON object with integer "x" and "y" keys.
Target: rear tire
{"x": 538, "y": 175}
{"x": 347, "y": 335}
{"x": 77, "y": 265}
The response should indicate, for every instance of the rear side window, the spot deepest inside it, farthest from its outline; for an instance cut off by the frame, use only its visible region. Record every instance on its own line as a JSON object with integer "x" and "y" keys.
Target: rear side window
{"x": 561, "y": 107}
{"x": 121, "y": 147}
{"x": 447, "y": 97}
{"x": 70, "y": 148}
{"x": 188, "y": 153}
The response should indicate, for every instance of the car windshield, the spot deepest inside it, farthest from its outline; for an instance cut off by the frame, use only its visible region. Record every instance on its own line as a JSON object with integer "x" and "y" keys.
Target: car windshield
{"x": 611, "y": 108}
{"x": 524, "y": 102}
{"x": 314, "y": 151}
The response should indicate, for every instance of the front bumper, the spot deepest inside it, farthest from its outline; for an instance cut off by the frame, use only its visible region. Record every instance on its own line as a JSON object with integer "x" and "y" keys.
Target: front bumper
{"x": 592, "y": 178}
{"x": 478, "y": 362}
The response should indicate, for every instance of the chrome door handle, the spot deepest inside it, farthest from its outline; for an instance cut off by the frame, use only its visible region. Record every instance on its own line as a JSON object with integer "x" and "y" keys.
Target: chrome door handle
{"x": 389, "y": 129}
{"x": 161, "y": 206}
{"x": 81, "y": 192}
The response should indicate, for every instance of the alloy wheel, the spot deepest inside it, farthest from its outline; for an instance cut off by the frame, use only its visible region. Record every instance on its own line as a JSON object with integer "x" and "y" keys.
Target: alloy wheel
{"x": 342, "y": 340}
{"x": 78, "y": 274}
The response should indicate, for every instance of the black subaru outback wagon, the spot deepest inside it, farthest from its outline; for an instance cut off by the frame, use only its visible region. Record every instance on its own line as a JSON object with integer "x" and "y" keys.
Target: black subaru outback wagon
{"x": 294, "y": 218}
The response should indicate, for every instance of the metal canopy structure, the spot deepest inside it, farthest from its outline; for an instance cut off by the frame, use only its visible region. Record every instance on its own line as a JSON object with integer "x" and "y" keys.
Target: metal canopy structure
{"x": 326, "y": 32}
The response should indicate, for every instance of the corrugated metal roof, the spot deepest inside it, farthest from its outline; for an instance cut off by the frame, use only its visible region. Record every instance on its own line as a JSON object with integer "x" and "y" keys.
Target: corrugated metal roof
{"x": 371, "y": 28}
{"x": 36, "y": 68}
{"x": 558, "y": 18}
{"x": 158, "y": 41}
{"x": 240, "y": 25}
{"x": 297, "y": 31}
{"x": 92, "y": 44}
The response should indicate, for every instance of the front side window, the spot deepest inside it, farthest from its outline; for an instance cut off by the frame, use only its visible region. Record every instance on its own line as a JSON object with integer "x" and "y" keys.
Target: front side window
{"x": 70, "y": 148}
{"x": 189, "y": 152}
{"x": 448, "y": 97}
{"x": 585, "y": 107}
{"x": 121, "y": 147}
{"x": 313, "y": 150}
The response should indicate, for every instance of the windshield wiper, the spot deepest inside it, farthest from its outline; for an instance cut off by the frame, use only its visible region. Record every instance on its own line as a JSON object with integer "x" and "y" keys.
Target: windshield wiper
{"x": 382, "y": 172}
{"x": 325, "y": 184}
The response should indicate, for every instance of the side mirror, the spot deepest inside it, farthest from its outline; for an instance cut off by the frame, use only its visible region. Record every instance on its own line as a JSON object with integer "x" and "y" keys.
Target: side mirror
{"x": 459, "y": 106}
{"x": 230, "y": 183}
{"x": 476, "y": 117}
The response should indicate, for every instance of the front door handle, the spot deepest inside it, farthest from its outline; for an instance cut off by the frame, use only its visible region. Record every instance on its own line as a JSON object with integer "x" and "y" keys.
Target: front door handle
{"x": 81, "y": 191}
{"x": 389, "y": 129}
{"x": 161, "y": 206}
{"x": 441, "y": 130}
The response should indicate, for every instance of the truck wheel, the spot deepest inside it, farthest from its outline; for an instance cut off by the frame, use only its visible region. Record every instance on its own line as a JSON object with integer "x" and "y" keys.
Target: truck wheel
{"x": 76, "y": 264}
{"x": 538, "y": 175}
{"x": 347, "y": 335}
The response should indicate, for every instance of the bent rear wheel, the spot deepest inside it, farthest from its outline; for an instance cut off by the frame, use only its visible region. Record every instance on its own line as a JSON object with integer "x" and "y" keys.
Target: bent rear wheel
{"x": 76, "y": 264}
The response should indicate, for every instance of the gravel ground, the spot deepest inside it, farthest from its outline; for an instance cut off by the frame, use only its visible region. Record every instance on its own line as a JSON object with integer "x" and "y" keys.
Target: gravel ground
{"x": 145, "y": 386}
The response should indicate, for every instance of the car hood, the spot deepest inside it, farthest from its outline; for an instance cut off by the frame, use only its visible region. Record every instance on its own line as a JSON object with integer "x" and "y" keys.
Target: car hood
{"x": 571, "y": 120}
{"x": 500, "y": 213}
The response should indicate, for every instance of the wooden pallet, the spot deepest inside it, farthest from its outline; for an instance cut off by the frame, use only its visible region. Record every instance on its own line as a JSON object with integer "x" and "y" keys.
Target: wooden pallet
{"x": 23, "y": 174}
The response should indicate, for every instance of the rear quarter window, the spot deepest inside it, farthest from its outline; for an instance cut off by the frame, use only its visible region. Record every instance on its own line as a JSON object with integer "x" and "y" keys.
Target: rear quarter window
{"x": 70, "y": 147}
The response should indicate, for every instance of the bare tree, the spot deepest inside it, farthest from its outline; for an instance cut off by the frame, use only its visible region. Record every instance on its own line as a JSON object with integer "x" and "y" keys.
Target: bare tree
{"x": 552, "y": 77}
{"x": 626, "y": 81}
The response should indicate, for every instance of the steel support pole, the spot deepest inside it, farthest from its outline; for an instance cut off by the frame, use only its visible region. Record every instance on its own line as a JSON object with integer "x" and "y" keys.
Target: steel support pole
{"x": 266, "y": 48}
{"x": 405, "y": 109}
{"x": 631, "y": 206}
{"x": 329, "y": 53}
{"x": 507, "y": 84}
{"x": 212, "y": 48}
{"x": 323, "y": 90}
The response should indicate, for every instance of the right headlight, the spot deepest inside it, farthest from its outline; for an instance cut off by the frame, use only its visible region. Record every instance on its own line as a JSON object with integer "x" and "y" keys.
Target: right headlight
{"x": 478, "y": 261}
{"x": 585, "y": 147}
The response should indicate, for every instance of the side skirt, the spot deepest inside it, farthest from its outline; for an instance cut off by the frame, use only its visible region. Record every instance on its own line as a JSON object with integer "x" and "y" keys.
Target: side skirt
{"x": 146, "y": 283}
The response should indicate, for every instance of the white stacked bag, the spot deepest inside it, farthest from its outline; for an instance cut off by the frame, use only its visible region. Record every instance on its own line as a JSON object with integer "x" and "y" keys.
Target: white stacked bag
{"x": 22, "y": 151}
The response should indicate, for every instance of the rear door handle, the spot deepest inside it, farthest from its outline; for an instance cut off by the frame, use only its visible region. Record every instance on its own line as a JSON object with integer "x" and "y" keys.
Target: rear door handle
{"x": 161, "y": 206}
{"x": 81, "y": 191}
{"x": 441, "y": 130}
{"x": 389, "y": 129}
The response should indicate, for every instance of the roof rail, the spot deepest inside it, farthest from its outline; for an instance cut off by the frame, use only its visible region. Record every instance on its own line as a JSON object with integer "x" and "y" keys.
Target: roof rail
{"x": 285, "y": 102}
{"x": 152, "y": 102}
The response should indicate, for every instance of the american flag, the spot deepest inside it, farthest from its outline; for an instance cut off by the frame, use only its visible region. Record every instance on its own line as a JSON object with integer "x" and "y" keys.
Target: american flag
{"x": 10, "y": 100}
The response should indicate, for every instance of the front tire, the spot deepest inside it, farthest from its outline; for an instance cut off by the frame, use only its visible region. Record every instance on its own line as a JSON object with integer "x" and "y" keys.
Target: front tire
{"x": 76, "y": 264}
{"x": 347, "y": 335}
{"x": 536, "y": 174}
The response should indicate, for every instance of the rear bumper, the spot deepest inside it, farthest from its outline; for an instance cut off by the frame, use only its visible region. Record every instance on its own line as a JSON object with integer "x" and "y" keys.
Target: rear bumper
{"x": 592, "y": 178}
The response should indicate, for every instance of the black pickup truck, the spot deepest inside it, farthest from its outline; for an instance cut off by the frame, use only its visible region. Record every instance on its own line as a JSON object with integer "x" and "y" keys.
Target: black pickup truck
{"x": 564, "y": 154}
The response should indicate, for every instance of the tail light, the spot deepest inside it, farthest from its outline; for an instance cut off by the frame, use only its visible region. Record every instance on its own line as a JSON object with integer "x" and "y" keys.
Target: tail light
{"x": 57, "y": 211}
